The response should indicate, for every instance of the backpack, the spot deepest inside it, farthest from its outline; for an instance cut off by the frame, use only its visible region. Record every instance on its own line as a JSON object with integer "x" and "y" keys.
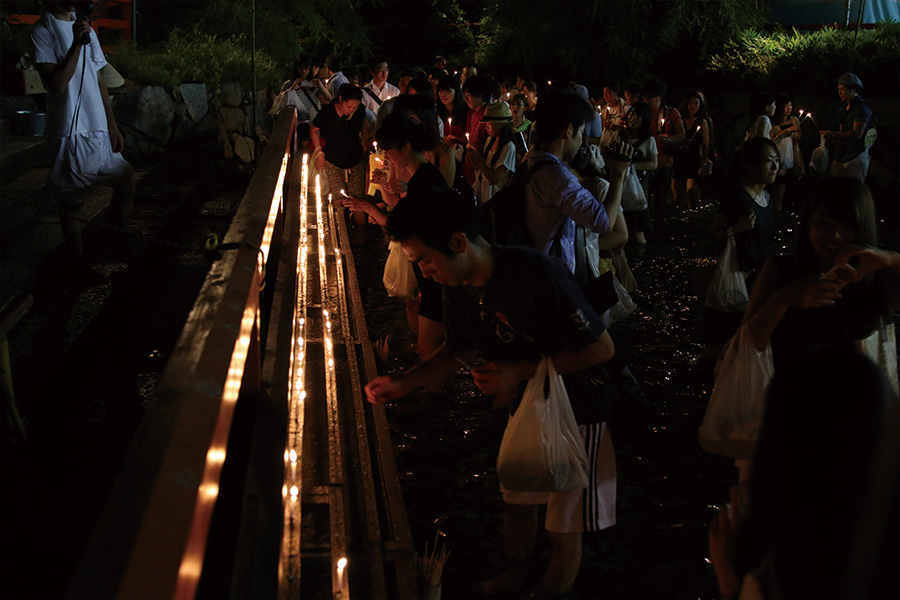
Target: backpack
{"x": 502, "y": 218}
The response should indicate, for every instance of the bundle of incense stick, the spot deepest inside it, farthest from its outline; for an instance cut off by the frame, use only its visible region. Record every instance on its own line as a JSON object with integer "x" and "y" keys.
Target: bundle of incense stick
{"x": 431, "y": 566}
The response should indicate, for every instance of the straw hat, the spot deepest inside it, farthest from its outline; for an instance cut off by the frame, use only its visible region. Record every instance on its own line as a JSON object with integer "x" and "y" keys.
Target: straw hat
{"x": 498, "y": 112}
{"x": 111, "y": 77}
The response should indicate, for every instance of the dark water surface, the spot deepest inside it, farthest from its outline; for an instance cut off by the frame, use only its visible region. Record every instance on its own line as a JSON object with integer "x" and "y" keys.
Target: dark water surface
{"x": 668, "y": 486}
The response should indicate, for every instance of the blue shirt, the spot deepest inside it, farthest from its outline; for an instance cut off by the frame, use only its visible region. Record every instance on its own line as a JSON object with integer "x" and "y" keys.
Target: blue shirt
{"x": 556, "y": 202}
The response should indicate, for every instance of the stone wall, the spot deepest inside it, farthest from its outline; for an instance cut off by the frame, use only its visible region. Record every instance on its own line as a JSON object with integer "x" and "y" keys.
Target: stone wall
{"x": 221, "y": 120}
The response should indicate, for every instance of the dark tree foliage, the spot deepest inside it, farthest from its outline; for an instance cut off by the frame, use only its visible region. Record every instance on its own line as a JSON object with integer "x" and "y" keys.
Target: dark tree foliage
{"x": 596, "y": 40}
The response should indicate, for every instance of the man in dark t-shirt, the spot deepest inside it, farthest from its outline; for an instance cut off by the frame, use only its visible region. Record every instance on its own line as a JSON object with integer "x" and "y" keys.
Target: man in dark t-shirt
{"x": 511, "y": 307}
{"x": 851, "y": 154}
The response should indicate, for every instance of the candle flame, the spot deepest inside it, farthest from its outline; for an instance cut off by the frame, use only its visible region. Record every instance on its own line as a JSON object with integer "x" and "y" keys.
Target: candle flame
{"x": 342, "y": 563}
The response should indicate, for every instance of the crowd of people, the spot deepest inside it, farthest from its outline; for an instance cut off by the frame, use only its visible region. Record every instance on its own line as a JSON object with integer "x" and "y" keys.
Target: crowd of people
{"x": 568, "y": 181}
{"x": 514, "y": 208}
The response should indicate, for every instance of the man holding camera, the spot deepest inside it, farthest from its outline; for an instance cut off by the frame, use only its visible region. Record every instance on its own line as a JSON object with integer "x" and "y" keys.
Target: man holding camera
{"x": 82, "y": 133}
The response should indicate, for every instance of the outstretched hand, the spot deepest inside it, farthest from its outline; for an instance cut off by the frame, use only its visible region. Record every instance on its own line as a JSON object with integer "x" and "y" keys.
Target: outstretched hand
{"x": 618, "y": 156}
{"x": 812, "y": 291}
{"x": 385, "y": 388}
{"x": 868, "y": 259}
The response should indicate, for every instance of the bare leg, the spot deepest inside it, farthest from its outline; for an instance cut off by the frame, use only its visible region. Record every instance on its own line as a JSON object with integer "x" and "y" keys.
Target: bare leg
{"x": 519, "y": 532}
{"x": 431, "y": 336}
{"x": 679, "y": 193}
{"x": 564, "y": 563}
{"x": 693, "y": 193}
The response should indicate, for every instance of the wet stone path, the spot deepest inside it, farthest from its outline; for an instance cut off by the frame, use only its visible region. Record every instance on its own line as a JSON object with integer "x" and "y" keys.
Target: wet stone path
{"x": 667, "y": 485}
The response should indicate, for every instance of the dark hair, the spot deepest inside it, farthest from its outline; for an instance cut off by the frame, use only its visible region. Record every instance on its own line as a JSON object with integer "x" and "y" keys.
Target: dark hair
{"x": 349, "y": 91}
{"x": 374, "y": 62}
{"x": 530, "y": 86}
{"x": 302, "y": 61}
{"x": 519, "y": 98}
{"x": 525, "y": 75}
{"x": 334, "y": 62}
{"x": 844, "y": 199}
{"x": 653, "y": 88}
{"x": 421, "y": 105}
{"x": 749, "y": 154}
{"x": 478, "y": 85}
{"x": 701, "y": 112}
{"x": 421, "y": 87}
{"x": 613, "y": 85}
{"x": 811, "y": 463}
{"x": 436, "y": 73}
{"x": 434, "y": 219}
{"x": 556, "y": 111}
{"x": 781, "y": 100}
{"x": 644, "y": 111}
{"x": 449, "y": 82}
{"x": 632, "y": 88}
{"x": 762, "y": 101}
{"x": 397, "y": 130}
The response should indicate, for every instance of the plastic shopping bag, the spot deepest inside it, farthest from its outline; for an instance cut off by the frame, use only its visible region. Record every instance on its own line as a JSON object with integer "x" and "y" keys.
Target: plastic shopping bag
{"x": 735, "y": 412}
{"x": 633, "y": 196}
{"x": 542, "y": 450}
{"x": 819, "y": 158}
{"x": 727, "y": 290}
{"x": 624, "y": 307}
{"x": 399, "y": 279}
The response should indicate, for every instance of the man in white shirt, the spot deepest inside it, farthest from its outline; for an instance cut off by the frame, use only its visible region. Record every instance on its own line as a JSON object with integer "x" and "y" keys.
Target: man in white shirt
{"x": 378, "y": 90}
{"x": 82, "y": 134}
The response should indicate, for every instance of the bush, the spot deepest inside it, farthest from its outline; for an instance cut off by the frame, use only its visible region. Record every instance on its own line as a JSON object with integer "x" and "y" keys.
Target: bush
{"x": 194, "y": 58}
{"x": 776, "y": 60}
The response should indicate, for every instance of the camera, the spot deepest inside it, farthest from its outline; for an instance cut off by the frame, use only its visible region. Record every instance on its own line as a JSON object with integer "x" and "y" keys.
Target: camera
{"x": 84, "y": 11}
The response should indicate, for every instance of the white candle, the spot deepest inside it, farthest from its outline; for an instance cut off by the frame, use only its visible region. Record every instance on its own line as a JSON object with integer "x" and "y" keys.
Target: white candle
{"x": 341, "y": 575}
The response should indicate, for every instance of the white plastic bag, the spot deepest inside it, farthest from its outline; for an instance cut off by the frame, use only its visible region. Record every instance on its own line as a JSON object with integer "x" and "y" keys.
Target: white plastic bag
{"x": 633, "y": 196}
{"x": 399, "y": 279}
{"x": 542, "y": 450}
{"x": 738, "y": 400}
{"x": 727, "y": 290}
{"x": 786, "y": 152}
{"x": 819, "y": 158}
{"x": 624, "y": 307}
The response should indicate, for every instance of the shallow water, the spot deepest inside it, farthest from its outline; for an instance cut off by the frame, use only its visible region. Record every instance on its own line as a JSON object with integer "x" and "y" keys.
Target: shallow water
{"x": 668, "y": 486}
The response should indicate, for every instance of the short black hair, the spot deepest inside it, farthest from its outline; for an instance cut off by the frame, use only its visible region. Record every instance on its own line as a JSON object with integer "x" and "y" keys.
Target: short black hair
{"x": 433, "y": 217}
{"x": 557, "y": 110}
{"x": 653, "y": 88}
{"x": 349, "y": 91}
{"x": 334, "y": 62}
{"x": 373, "y": 64}
{"x": 422, "y": 87}
{"x": 478, "y": 85}
{"x": 397, "y": 129}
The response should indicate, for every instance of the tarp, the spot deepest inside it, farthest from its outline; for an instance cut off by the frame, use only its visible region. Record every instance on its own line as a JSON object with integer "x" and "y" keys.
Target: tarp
{"x": 826, "y": 12}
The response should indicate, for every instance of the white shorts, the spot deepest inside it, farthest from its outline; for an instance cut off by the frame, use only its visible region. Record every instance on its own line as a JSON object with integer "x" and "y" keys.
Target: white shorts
{"x": 83, "y": 160}
{"x": 589, "y": 509}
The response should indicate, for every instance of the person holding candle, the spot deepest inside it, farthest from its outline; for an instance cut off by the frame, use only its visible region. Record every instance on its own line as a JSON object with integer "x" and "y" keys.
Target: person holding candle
{"x": 477, "y": 94}
{"x": 851, "y": 152}
{"x": 494, "y": 170}
{"x": 667, "y": 127}
{"x": 511, "y": 306}
{"x": 613, "y": 112}
{"x": 692, "y": 163}
{"x": 452, "y": 109}
{"x": 637, "y": 133}
{"x": 341, "y": 123}
{"x": 787, "y": 130}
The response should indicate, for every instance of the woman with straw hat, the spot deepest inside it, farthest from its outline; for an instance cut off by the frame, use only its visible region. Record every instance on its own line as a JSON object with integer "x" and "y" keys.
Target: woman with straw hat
{"x": 494, "y": 171}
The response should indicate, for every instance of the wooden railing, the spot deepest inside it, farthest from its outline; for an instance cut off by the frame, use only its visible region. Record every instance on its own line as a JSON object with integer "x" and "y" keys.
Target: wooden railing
{"x": 209, "y": 502}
